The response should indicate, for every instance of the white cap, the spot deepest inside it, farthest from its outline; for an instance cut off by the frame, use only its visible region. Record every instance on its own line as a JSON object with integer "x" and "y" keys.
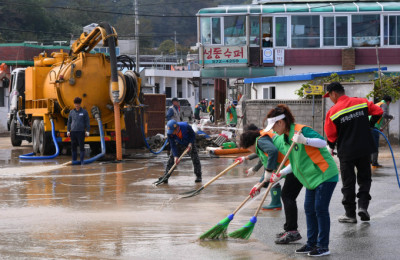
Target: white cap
{"x": 271, "y": 121}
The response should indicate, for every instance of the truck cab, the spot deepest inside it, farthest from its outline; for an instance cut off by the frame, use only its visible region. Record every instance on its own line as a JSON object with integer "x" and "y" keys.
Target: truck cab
{"x": 17, "y": 102}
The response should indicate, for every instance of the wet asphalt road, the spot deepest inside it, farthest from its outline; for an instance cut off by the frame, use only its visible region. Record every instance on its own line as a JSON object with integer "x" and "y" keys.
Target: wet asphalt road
{"x": 111, "y": 211}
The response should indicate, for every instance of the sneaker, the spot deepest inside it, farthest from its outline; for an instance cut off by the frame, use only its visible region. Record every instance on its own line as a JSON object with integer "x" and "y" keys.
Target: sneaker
{"x": 287, "y": 237}
{"x": 346, "y": 219}
{"x": 363, "y": 213}
{"x": 319, "y": 252}
{"x": 198, "y": 179}
{"x": 305, "y": 249}
{"x": 280, "y": 234}
{"x": 377, "y": 165}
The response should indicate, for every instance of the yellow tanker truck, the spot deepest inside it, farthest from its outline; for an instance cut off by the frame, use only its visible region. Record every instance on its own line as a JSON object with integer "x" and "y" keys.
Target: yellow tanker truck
{"x": 42, "y": 95}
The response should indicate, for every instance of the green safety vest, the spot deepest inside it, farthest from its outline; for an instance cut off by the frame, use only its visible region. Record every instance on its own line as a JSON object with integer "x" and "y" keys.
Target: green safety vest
{"x": 231, "y": 116}
{"x": 378, "y": 124}
{"x": 311, "y": 166}
{"x": 264, "y": 156}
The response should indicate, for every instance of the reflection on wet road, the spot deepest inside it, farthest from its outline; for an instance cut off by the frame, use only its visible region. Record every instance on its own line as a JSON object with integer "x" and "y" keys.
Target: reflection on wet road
{"x": 111, "y": 211}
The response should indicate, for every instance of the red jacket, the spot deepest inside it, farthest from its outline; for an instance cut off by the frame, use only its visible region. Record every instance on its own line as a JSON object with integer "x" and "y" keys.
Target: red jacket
{"x": 348, "y": 126}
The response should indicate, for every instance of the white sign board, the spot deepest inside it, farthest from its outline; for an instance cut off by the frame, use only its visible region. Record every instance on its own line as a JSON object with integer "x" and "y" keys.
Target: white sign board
{"x": 223, "y": 56}
{"x": 268, "y": 55}
{"x": 279, "y": 57}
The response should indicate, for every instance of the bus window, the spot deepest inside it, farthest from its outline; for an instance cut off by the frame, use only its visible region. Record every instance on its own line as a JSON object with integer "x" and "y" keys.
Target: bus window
{"x": 205, "y": 29}
{"x": 216, "y": 30}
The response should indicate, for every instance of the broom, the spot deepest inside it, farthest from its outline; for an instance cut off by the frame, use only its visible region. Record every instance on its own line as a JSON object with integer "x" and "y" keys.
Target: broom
{"x": 219, "y": 231}
{"x": 167, "y": 175}
{"x": 193, "y": 193}
{"x": 245, "y": 231}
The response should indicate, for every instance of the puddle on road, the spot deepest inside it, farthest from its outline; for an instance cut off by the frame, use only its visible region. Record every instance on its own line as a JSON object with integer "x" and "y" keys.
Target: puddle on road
{"x": 112, "y": 211}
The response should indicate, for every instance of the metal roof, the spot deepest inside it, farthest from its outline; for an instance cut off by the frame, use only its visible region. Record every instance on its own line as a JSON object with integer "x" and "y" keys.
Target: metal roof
{"x": 308, "y": 76}
{"x": 323, "y": 7}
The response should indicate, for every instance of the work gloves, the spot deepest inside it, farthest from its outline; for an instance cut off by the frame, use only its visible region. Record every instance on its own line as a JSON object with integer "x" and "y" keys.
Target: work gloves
{"x": 250, "y": 172}
{"x": 255, "y": 191}
{"x": 275, "y": 177}
{"x": 189, "y": 147}
{"x": 68, "y": 133}
{"x": 240, "y": 159}
{"x": 87, "y": 134}
{"x": 299, "y": 138}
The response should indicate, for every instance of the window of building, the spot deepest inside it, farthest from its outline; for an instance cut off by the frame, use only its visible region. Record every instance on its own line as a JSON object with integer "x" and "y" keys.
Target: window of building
{"x": 269, "y": 93}
{"x": 205, "y": 30}
{"x": 281, "y": 31}
{"x": 391, "y": 30}
{"x": 335, "y": 31}
{"x": 235, "y": 30}
{"x": 255, "y": 30}
{"x": 305, "y": 31}
{"x": 210, "y": 30}
{"x": 216, "y": 30}
{"x": 365, "y": 30}
{"x": 267, "y": 39}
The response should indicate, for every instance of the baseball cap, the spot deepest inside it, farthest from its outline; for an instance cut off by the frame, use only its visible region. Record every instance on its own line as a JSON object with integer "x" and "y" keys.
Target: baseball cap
{"x": 171, "y": 126}
{"x": 271, "y": 122}
{"x": 235, "y": 102}
{"x": 334, "y": 86}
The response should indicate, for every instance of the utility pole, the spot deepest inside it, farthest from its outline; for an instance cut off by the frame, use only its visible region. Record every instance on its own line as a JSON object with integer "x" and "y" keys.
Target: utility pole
{"x": 176, "y": 51}
{"x": 137, "y": 35}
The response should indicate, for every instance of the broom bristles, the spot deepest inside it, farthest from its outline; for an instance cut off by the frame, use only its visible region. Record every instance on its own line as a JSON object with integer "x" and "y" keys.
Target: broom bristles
{"x": 218, "y": 231}
{"x": 245, "y": 231}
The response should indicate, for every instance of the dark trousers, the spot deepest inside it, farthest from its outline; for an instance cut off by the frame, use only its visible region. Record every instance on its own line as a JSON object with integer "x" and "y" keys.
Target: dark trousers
{"x": 290, "y": 191}
{"x": 374, "y": 156}
{"x": 316, "y": 207}
{"x": 349, "y": 178}
{"x": 78, "y": 138}
{"x": 193, "y": 154}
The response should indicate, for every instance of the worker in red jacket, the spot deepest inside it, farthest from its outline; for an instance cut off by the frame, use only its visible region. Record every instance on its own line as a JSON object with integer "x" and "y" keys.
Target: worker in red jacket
{"x": 347, "y": 126}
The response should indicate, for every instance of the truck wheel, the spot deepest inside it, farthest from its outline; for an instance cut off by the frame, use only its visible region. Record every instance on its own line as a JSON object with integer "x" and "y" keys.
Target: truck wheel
{"x": 46, "y": 146}
{"x": 35, "y": 135}
{"x": 13, "y": 129}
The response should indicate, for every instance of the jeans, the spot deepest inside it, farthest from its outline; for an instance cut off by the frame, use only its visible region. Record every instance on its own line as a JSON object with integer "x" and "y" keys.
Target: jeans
{"x": 316, "y": 207}
{"x": 349, "y": 178}
{"x": 290, "y": 191}
{"x": 78, "y": 138}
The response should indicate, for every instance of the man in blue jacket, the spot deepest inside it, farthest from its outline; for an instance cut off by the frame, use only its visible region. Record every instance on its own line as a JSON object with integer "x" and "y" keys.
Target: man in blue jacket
{"x": 78, "y": 127}
{"x": 180, "y": 137}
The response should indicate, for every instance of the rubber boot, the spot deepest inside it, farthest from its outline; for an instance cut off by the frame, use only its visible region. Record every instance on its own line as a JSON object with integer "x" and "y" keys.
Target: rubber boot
{"x": 275, "y": 199}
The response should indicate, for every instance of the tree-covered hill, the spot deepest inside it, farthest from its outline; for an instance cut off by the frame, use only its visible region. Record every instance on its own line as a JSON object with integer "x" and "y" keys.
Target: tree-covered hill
{"x": 54, "y": 20}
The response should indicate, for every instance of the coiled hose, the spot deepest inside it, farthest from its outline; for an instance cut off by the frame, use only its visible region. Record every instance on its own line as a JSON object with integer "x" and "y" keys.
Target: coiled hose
{"x": 29, "y": 156}
{"x": 103, "y": 146}
{"x": 391, "y": 150}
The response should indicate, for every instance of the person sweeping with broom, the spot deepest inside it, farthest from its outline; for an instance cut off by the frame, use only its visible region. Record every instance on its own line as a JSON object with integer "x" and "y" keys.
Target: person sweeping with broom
{"x": 181, "y": 137}
{"x": 314, "y": 167}
{"x": 290, "y": 191}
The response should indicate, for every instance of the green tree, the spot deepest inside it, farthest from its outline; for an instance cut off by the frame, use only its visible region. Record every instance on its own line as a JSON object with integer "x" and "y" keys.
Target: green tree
{"x": 390, "y": 86}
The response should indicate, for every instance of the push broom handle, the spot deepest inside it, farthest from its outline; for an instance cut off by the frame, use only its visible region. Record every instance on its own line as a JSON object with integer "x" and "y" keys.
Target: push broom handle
{"x": 279, "y": 169}
{"x": 221, "y": 173}
{"x": 386, "y": 124}
{"x": 173, "y": 166}
{"x": 241, "y": 205}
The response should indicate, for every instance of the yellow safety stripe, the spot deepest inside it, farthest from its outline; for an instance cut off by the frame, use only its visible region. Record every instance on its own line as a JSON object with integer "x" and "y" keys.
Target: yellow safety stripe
{"x": 348, "y": 110}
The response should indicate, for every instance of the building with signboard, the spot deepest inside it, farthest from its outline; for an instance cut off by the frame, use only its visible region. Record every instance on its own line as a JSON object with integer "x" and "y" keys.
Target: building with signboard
{"x": 296, "y": 39}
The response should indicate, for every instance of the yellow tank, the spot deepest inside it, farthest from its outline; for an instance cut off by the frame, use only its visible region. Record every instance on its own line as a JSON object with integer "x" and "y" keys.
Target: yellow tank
{"x": 54, "y": 81}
